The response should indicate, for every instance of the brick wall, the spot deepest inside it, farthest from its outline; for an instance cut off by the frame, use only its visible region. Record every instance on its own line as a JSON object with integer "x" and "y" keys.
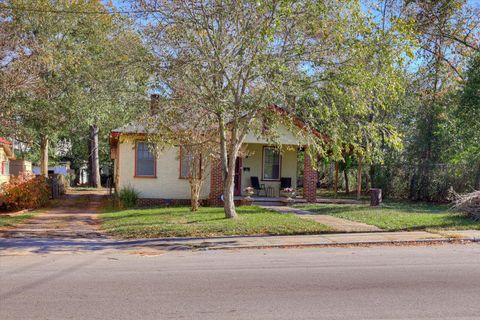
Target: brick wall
{"x": 309, "y": 180}
{"x": 153, "y": 202}
{"x": 216, "y": 184}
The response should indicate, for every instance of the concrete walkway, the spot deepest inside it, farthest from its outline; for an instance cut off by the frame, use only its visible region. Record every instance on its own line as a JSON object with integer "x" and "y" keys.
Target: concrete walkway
{"x": 18, "y": 246}
{"x": 338, "y": 224}
{"x": 73, "y": 217}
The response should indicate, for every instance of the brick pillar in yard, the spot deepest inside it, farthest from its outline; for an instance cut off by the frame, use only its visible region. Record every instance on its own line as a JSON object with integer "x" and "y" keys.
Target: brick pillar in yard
{"x": 309, "y": 180}
{"x": 216, "y": 184}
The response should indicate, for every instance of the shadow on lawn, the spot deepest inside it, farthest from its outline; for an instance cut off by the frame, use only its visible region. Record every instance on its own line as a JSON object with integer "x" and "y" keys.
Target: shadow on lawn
{"x": 387, "y": 207}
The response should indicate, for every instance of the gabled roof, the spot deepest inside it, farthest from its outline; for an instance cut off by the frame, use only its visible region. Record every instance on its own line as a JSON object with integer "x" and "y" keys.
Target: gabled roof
{"x": 141, "y": 130}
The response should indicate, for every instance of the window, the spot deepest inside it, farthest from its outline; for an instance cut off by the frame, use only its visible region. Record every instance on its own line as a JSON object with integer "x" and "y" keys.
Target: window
{"x": 271, "y": 164}
{"x": 187, "y": 160}
{"x": 144, "y": 160}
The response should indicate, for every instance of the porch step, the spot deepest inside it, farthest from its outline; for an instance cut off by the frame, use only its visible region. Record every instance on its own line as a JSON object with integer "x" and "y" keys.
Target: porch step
{"x": 269, "y": 203}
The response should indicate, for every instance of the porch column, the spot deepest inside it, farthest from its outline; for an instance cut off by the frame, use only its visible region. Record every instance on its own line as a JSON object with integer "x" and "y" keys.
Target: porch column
{"x": 309, "y": 180}
{"x": 216, "y": 184}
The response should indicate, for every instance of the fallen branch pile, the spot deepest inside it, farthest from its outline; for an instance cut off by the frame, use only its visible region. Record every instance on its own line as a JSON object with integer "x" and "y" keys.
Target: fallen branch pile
{"x": 468, "y": 203}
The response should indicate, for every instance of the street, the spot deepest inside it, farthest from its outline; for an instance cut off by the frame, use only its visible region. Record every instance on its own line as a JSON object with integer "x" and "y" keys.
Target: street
{"x": 431, "y": 282}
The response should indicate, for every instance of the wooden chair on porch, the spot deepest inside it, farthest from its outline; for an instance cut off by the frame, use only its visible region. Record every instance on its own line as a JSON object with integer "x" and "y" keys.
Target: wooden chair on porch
{"x": 257, "y": 186}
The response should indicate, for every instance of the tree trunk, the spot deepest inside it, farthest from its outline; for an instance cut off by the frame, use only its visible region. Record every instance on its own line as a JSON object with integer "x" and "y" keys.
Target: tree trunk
{"x": 44, "y": 156}
{"x": 195, "y": 187}
{"x": 477, "y": 178}
{"x": 335, "y": 187}
{"x": 372, "y": 176}
{"x": 359, "y": 179}
{"x": 89, "y": 162}
{"x": 347, "y": 187}
{"x": 76, "y": 181}
{"x": 228, "y": 169}
{"x": 95, "y": 173}
{"x": 228, "y": 186}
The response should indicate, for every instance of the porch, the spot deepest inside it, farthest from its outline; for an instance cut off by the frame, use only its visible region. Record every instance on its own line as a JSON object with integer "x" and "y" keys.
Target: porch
{"x": 267, "y": 169}
{"x": 270, "y": 201}
{"x": 280, "y": 201}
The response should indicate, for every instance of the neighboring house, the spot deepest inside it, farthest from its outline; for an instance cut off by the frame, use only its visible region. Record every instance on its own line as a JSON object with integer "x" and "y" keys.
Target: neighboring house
{"x": 20, "y": 166}
{"x": 6, "y": 154}
{"x": 63, "y": 168}
{"x": 162, "y": 179}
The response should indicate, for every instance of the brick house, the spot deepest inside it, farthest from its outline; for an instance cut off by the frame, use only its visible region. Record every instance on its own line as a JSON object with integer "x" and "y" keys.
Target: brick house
{"x": 161, "y": 178}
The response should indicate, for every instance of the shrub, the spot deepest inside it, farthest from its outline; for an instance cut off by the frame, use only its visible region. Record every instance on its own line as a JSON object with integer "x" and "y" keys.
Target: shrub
{"x": 24, "y": 192}
{"x": 128, "y": 196}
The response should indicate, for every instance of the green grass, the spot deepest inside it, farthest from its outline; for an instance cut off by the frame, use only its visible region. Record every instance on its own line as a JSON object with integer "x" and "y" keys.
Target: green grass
{"x": 323, "y": 193}
{"x": 9, "y": 221}
{"x": 394, "y": 216}
{"x": 207, "y": 222}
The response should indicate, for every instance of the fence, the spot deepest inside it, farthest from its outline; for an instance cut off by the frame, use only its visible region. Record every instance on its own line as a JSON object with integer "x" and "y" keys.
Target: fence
{"x": 406, "y": 181}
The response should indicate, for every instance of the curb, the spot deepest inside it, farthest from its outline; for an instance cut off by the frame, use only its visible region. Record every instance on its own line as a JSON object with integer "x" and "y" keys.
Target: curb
{"x": 345, "y": 244}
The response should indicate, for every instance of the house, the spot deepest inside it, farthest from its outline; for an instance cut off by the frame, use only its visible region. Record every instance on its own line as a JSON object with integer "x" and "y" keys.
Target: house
{"x": 20, "y": 166}
{"x": 62, "y": 168}
{"x": 6, "y": 154}
{"x": 162, "y": 178}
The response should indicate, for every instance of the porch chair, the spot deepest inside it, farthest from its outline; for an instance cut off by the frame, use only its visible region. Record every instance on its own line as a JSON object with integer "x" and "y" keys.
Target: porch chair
{"x": 257, "y": 186}
{"x": 285, "y": 183}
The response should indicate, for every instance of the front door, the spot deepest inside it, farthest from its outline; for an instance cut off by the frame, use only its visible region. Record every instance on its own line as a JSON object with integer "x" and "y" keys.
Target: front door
{"x": 237, "y": 189}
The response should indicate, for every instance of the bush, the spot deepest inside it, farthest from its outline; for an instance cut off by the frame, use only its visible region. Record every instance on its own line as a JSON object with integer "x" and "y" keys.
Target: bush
{"x": 128, "y": 197}
{"x": 24, "y": 192}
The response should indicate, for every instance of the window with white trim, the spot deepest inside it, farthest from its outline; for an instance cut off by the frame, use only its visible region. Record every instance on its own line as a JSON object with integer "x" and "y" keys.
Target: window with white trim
{"x": 145, "y": 160}
{"x": 271, "y": 163}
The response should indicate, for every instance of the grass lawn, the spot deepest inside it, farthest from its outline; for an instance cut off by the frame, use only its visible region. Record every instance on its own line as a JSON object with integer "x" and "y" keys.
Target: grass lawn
{"x": 399, "y": 216}
{"x": 207, "y": 222}
{"x": 8, "y": 221}
{"x": 323, "y": 193}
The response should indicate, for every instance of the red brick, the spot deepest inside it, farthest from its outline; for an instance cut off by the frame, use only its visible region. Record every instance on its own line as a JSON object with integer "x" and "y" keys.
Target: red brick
{"x": 309, "y": 180}
{"x": 216, "y": 184}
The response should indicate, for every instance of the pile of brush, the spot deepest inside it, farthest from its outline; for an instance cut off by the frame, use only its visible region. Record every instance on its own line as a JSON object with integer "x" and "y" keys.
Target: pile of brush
{"x": 467, "y": 203}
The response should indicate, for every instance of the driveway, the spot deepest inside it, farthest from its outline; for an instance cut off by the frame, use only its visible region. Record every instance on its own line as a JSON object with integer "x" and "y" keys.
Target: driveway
{"x": 73, "y": 216}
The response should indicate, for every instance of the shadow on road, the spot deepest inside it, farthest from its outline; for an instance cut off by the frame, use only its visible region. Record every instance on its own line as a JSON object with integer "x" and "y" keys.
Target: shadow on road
{"x": 57, "y": 245}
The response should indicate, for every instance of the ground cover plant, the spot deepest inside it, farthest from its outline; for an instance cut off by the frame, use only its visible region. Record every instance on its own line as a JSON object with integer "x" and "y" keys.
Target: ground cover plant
{"x": 206, "y": 222}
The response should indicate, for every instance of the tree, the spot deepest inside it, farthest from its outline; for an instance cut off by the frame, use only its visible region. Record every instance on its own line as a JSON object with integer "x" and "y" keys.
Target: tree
{"x": 90, "y": 70}
{"x": 110, "y": 85}
{"x": 446, "y": 36}
{"x": 50, "y": 43}
{"x": 467, "y": 115}
{"x": 233, "y": 59}
{"x": 192, "y": 132}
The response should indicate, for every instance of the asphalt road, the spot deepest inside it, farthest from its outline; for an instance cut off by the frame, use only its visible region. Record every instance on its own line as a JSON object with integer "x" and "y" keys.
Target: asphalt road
{"x": 440, "y": 282}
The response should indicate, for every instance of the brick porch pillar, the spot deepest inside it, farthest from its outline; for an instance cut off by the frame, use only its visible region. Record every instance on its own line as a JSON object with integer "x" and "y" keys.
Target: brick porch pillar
{"x": 309, "y": 180}
{"x": 216, "y": 184}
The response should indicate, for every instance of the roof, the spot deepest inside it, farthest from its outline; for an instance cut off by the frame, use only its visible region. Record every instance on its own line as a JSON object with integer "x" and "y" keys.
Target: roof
{"x": 5, "y": 141}
{"x": 139, "y": 129}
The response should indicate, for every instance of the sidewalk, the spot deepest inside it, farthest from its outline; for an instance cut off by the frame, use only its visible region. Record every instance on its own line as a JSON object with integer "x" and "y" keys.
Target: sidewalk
{"x": 19, "y": 246}
{"x": 338, "y": 224}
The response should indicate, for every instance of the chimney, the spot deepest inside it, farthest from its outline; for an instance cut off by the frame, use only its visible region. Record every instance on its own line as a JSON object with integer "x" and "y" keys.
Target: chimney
{"x": 154, "y": 104}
